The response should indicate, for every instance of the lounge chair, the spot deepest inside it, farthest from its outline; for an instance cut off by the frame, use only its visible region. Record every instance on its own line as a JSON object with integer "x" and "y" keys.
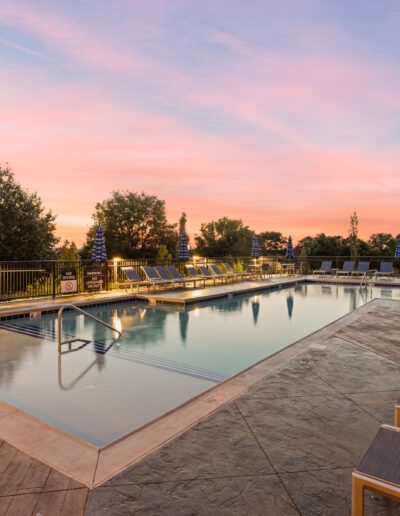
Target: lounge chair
{"x": 325, "y": 267}
{"x": 379, "y": 469}
{"x": 347, "y": 268}
{"x": 134, "y": 278}
{"x": 362, "y": 268}
{"x": 230, "y": 270}
{"x": 218, "y": 273}
{"x": 385, "y": 269}
{"x": 194, "y": 273}
{"x": 154, "y": 278}
{"x": 207, "y": 274}
{"x": 164, "y": 275}
{"x": 178, "y": 276}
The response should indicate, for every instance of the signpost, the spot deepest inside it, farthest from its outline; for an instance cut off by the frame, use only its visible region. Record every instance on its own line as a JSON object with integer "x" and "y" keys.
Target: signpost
{"x": 68, "y": 283}
{"x": 93, "y": 279}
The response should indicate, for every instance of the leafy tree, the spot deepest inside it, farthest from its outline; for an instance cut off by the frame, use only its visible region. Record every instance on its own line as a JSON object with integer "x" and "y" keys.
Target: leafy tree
{"x": 224, "y": 237}
{"x": 68, "y": 252}
{"x": 322, "y": 245}
{"x": 26, "y": 228}
{"x": 381, "y": 244}
{"x": 272, "y": 241}
{"x": 353, "y": 236}
{"x": 135, "y": 225}
{"x": 163, "y": 254}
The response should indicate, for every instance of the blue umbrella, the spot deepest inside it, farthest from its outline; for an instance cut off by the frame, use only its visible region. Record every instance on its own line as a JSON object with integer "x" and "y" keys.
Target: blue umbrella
{"x": 99, "y": 254}
{"x": 183, "y": 251}
{"x": 397, "y": 251}
{"x": 289, "y": 249}
{"x": 255, "y": 248}
{"x": 290, "y": 302}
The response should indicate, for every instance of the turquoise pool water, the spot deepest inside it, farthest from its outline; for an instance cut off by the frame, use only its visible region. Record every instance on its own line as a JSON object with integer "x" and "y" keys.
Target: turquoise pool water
{"x": 165, "y": 356}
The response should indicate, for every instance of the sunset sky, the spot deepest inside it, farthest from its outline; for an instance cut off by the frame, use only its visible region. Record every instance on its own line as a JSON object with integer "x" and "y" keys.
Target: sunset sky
{"x": 285, "y": 114}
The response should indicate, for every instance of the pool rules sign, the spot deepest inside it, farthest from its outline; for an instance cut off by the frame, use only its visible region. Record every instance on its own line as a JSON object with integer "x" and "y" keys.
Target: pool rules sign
{"x": 69, "y": 284}
{"x": 93, "y": 279}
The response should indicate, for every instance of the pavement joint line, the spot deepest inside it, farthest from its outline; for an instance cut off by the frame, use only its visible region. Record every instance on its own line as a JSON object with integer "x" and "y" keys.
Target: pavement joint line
{"x": 178, "y": 480}
{"x": 195, "y": 479}
{"x": 39, "y": 490}
{"x": 344, "y": 395}
{"x": 294, "y": 505}
{"x": 368, "y": 349}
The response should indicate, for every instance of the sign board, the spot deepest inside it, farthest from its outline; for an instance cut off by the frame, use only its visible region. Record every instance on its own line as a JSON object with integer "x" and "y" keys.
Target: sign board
{"x": 69, "y": 284}
{"x": 93, "y": 279}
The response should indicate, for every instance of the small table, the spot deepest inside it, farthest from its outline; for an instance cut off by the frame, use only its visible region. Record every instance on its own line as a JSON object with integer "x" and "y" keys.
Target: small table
{"x": 256, "y": 269}
{"x": 289, "y": 268}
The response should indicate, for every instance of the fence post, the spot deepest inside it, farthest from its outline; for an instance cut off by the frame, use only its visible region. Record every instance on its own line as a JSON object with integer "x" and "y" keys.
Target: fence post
{"x": 53, "y": 267}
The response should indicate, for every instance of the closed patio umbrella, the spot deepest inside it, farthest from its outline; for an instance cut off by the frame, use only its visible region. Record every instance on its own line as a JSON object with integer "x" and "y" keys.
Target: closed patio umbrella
{"x": 183, "y": 251}
{"x": 397, "y": 252}
{"x": 255, "y": 248}
{"x": 289, "y": 249}
{"x": 99, "y": 254}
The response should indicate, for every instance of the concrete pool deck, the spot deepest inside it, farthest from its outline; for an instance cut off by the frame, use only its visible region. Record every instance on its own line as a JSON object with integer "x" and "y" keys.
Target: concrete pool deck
{"x": 279, "y": 438}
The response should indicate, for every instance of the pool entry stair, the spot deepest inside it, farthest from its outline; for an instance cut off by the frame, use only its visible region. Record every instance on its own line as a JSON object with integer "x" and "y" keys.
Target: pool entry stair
{"x": 69, "y": 341}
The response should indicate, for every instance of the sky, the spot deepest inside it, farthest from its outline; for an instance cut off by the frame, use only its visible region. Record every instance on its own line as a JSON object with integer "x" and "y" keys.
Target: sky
{"x": 284, "y": 113}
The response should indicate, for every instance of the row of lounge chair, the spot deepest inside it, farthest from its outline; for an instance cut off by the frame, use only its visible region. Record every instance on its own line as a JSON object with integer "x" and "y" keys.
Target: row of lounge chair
{"x": 164, "y": 276}
{"x": 349, "y": 269}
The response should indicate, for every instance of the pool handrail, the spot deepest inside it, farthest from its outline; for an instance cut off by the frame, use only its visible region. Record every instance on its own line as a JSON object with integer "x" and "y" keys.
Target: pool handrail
{"x": 84, "y": 312}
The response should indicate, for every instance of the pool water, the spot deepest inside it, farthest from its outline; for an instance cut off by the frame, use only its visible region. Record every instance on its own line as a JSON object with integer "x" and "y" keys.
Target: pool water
{"x": 106, "y": 388}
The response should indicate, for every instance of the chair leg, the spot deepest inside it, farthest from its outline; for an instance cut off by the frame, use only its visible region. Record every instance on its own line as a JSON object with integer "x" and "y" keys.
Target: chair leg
{"x": 397, "y": 415}
{"x": 357, "y": 506}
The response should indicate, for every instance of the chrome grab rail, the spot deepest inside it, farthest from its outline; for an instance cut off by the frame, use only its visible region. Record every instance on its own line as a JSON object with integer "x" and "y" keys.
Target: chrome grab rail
{"x": 364, "y": 277}
{"x": 59, "y": 323}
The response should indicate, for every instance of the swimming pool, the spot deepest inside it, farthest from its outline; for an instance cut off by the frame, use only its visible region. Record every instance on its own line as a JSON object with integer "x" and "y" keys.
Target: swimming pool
{"x": 164, "y": 357}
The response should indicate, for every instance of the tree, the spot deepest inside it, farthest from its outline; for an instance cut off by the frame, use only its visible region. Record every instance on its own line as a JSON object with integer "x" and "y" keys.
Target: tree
{"x": 272, "y": 241}
{"x": 26, "y": 228}
{"x": 382, "y": 244}
{"x": 162, "y": 254}
{"x": 353, "y": 236}
{"x": 224, "y": 237}
{"x": 68, "y": 252}
{"x": 135, "y": 225}
{"x": 322, "y": 245}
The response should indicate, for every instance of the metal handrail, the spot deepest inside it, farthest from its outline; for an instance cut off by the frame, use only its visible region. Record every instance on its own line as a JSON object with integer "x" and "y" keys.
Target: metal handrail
{"x": 364, "y": 277}
{"x": 59, "y": 323}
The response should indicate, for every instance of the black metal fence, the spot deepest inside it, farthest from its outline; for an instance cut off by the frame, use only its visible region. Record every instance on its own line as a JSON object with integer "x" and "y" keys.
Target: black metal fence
{"x": 28, "y": 279}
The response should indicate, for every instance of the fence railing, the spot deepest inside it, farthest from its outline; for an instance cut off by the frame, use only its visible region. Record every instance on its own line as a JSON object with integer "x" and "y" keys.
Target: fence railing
{"x": 28, "y": 279}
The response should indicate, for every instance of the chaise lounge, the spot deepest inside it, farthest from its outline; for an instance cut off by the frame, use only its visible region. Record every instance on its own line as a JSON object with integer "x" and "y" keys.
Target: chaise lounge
{"x": 178, "y": 276}
{"x": 362, "y": 268}
{"x": 385, "y": 270}
{"x": 154, "y": 278}
{"x": 134, "y": 278}
{"x": 347, "y": 269}
{"x": 216, "y": 271}
{"x": 229, "y": 269}
{"x": 326, "y": 267}
{"x": 379, "y": 469}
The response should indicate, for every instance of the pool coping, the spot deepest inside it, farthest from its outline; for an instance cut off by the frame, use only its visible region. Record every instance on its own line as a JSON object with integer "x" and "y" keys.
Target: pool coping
{"x": 170, "y": 299}
{"x": 93, "y": 465}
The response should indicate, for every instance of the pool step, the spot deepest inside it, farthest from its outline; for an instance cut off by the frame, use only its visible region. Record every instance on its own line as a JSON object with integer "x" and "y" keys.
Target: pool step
{"x": 103, "y": 348}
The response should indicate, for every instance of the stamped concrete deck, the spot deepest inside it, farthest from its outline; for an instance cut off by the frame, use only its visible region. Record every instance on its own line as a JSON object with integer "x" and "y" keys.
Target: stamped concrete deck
{"x": 285, "y": 446}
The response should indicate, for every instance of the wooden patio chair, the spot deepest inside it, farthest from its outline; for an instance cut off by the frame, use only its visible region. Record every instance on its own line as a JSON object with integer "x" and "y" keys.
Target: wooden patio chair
{"x": 397, "y": 414}
{"x": 379, "y": 469}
